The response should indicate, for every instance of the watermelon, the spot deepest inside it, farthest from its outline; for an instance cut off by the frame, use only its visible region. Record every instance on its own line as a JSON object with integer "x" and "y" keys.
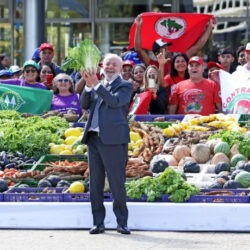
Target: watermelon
{"x": 236, "y": 158}
{"x": 222, "y": 147}
{"x": 243, "y": 178}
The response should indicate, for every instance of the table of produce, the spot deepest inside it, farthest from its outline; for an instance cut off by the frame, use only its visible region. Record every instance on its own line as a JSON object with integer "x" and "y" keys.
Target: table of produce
{"x": 171, "y": 159}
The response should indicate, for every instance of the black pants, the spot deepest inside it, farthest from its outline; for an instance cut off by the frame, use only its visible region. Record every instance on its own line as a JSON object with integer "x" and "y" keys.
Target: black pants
{"x": 111, "y": 159}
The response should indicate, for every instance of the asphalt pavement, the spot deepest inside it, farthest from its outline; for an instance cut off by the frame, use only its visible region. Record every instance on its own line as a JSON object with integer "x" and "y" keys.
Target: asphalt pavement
{"x": 138, "y": 240}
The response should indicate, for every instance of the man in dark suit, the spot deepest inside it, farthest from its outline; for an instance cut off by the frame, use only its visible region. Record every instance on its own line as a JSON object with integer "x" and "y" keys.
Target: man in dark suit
{"x": 107, "y": 136}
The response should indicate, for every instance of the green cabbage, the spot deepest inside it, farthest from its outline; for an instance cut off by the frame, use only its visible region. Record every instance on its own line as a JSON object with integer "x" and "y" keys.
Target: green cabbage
{"x": 86, "y": 56}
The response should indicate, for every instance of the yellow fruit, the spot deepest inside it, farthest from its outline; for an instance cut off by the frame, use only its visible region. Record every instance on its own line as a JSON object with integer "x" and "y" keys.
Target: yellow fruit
{"x": 169, "y": 131}
{"x": 131, "y": 145}
{"x": 204, "y": 119}
{"x": 66, "y": 152}
{"x": 56, "y": 149}
{"x": 184, "y": 125}
{"x": 68, "y": 147}
{"x": 212, "y": 117}
{"x": 51, "y": 144}
{"x": 70, "y": 140}
{"x": 134, "y": 136}
{"x": 177, "y": 127}
{"x": 136, "y": 152}
{"x": 194, "y": 121}
{"x": 76, "y": 187}
{"x": 138, "y": 143}
{"x": 72, "y": 132}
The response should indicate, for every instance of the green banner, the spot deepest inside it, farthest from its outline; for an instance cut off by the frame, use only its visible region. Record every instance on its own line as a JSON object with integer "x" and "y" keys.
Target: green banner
{"x": 24, "y": 99}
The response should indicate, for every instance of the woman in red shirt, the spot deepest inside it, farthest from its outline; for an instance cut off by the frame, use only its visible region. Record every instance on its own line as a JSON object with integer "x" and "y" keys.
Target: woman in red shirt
{"x": 178, "y": 73}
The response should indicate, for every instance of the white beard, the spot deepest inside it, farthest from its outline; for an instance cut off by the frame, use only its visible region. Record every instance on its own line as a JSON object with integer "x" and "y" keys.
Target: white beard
{"x": 112, "y": 78}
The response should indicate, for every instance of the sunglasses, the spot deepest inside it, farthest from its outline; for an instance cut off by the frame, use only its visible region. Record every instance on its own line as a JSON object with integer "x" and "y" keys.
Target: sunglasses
{"x": 63, "y": 80}
{"x": 30, "y": 70}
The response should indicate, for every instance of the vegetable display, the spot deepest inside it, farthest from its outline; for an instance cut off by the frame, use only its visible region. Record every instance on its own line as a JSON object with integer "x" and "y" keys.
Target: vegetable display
{"x": 232, "y": 137}
{"x": 169, "y": 182}
{"x": 84, "y": 57}
{"x": 31, "y": 135}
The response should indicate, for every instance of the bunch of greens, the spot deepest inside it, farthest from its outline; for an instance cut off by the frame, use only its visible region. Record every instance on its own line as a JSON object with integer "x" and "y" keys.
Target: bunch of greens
{"x": 32, "y": 135}
{"x": 84, "y": 57}
{"x": 169, "y": 182}
{"x": 232, "y": 137}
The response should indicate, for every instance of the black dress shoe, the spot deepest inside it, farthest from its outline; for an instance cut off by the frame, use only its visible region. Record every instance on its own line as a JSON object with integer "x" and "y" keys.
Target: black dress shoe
{"x": 97, "y": 229}
{"x": 123, "y": 229}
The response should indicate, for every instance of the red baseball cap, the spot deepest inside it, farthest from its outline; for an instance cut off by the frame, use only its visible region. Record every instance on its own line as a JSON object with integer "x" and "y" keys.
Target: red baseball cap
{"x": 128, "y": 62}
{"x": 46, "y": 46}
{"x": 214, "y": 64}
{"x": 197, "y": 59}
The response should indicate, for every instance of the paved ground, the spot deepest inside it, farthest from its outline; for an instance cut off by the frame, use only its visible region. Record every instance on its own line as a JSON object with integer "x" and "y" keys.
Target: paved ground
{"x": 141, "y": 240}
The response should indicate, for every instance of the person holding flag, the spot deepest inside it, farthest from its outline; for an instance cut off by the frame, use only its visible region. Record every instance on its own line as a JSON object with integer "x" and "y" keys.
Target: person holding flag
{"x": 161, "y": 49}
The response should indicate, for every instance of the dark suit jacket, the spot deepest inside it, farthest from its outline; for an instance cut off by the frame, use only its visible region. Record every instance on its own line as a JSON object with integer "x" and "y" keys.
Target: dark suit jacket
{"x": 113, "y": 110}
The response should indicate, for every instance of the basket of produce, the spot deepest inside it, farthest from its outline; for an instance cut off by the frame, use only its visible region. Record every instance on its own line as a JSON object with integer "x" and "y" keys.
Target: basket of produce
{"x": 158, "y": 118}
{"x": 59, "y": 160}
{"x": 222, "y": 196}
{"x": 34, "y": 195}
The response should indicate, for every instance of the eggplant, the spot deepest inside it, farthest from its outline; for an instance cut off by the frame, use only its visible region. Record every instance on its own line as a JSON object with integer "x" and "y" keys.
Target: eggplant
{"x": 6, "y": 160}
{"x": 10, "y": 165}
{"x": 29, "y": 161}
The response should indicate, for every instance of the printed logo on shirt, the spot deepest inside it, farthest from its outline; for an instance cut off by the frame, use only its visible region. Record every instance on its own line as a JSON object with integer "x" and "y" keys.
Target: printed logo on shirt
{"x": 170, "y": 27}
{"x": 10, "y": 99}
{"x": 192, "y": 99}
{"x": 74, "y": 103}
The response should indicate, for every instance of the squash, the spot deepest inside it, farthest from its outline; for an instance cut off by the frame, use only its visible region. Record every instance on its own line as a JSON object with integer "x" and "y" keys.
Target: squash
{"x": 236, "y": 158}
{"x": 235, "y": 172}
{"x": 186, "y": 159}
{"x": 158, "y": 164}
{"x": 53, "y": 179}
{"x": 243, "y": 178}
{"x": 231, "y": 184}
{"x": 181, "y": 151}
{"x": 224, "y": 175}
{"x": 191, "y": 167}
{"x": 242, "y": 165}
{"x": 222, "y": 147}
{"x": 219, "y": 157}
{"x": 200, "y": 152}
{"x": 234, "y": 150}
{"x": 222, "y": 166}
{"x": 170, "y": 160}
{"x": 215, "y": 185}
{"x": 212, "y": 143}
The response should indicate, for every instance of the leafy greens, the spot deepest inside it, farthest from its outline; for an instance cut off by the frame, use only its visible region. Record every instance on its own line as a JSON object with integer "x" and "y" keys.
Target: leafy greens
{"x": 32, "y": 135}
{"x": 169, "y": 182}
{"x": 86, "y": 56}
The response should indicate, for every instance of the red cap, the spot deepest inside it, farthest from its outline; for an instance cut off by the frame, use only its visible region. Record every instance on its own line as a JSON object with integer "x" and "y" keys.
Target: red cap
{"x": 128, "y": 62}
{"x": 46, "y": 46}
{"x": 214, "y": 64}
{"x": 197, "y": 59}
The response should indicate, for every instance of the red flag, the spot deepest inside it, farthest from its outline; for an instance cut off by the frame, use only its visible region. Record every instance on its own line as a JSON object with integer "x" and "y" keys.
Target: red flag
{"x": 182, "y": 29}
{"x": 140, "y": 104}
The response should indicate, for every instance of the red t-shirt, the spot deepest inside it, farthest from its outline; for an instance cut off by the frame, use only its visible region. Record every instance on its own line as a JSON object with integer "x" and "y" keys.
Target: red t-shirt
{"x": 167, "y": 66}
{"x": 171, "y": 83}
{"x": 196, "y": 98}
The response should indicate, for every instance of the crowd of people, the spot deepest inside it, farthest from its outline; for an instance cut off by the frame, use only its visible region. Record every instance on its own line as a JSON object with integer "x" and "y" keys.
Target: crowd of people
{"x": 175, "y": 80}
